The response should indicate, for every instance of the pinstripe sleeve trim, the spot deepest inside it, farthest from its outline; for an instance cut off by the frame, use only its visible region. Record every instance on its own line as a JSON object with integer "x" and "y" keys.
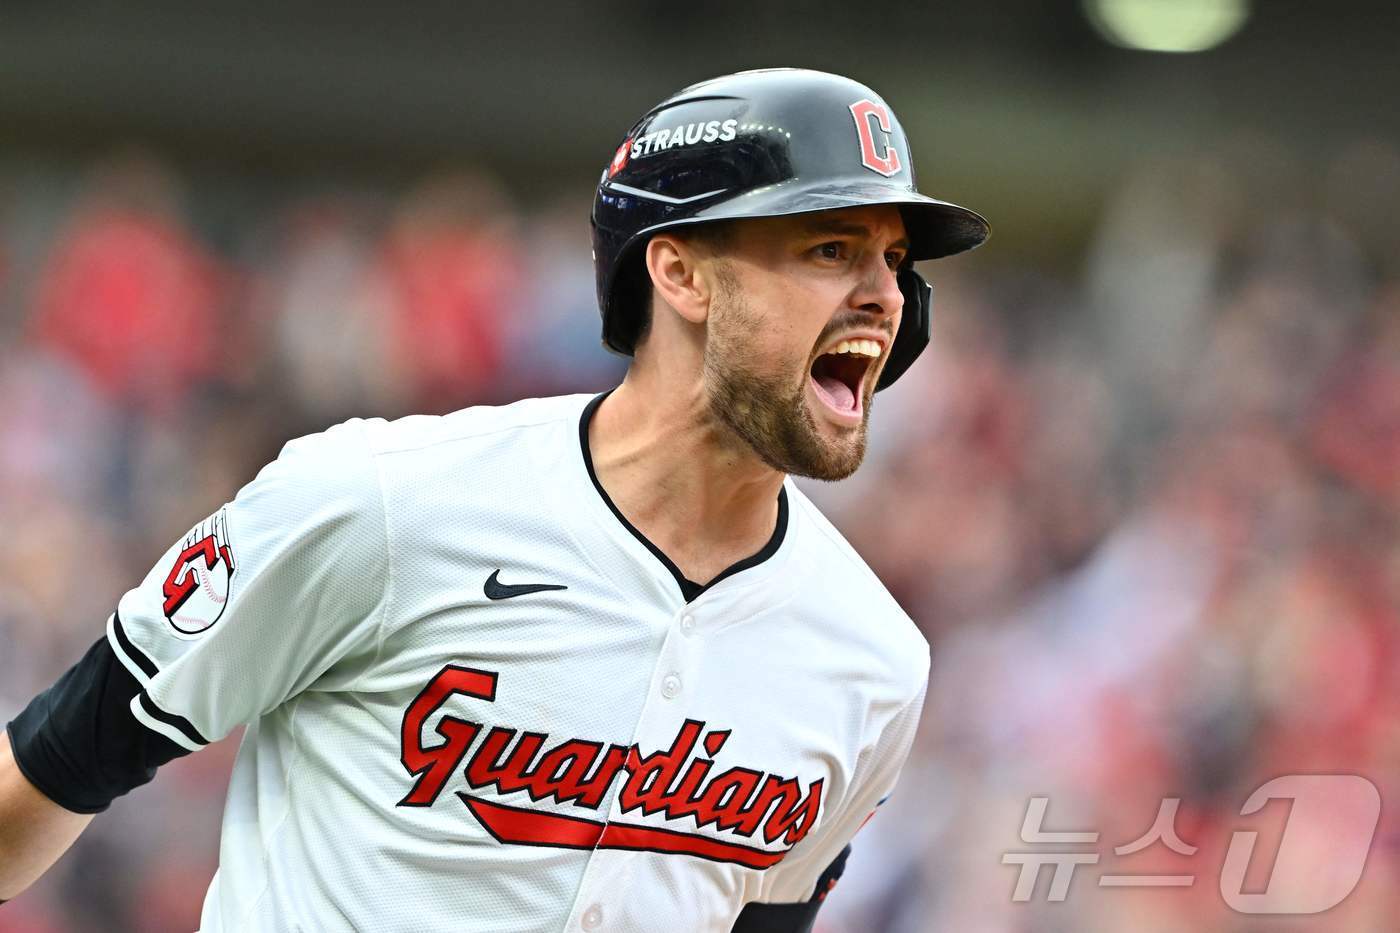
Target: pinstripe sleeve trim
{"x": 177, "y": 729}
{"x": 133, "y": 658}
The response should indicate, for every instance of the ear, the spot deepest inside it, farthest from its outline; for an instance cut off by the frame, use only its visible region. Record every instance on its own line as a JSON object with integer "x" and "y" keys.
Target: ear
{"x": 678, "y": 279}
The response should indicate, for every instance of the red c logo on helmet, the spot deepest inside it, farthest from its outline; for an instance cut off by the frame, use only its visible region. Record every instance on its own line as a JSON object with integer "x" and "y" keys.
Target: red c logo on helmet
{"x": 882, "y": 157}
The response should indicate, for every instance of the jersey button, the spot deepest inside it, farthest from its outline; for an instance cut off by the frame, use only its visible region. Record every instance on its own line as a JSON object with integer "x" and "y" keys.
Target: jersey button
{"x": 670, "y": 686}
{"x": 687, "y": 624}
{"x": 592, "y": 917}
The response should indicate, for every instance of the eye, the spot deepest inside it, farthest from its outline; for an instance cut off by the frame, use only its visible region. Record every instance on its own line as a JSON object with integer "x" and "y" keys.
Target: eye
{"x": 894, "y": 259}
{"x": 835, "y": 250}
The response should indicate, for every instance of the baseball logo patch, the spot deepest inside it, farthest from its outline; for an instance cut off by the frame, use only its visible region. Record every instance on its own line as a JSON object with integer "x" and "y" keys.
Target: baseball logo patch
{"x": 197, "y": 588}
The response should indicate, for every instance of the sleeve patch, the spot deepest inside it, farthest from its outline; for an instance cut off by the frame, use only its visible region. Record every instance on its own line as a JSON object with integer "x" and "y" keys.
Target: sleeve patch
{"x": 196, "y": 590}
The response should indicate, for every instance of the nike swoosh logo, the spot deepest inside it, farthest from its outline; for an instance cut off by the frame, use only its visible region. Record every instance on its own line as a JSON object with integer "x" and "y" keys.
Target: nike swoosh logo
{"x": 495, "y": 589}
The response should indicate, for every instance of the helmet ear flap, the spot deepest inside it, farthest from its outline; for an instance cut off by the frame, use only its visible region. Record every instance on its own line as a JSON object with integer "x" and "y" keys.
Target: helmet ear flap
{"x": 915, "y": 327}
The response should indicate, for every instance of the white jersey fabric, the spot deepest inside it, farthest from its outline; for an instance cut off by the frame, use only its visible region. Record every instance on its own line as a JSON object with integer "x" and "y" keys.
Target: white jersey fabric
{"x": 478, "y": 700}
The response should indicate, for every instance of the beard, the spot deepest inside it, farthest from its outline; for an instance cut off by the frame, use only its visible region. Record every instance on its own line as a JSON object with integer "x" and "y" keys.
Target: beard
{"x": 769, "y": 413}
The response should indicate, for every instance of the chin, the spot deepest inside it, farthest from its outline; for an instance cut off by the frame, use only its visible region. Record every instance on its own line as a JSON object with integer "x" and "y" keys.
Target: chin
{"x": 787, "y": 425}
{"x": 834, "y": 449}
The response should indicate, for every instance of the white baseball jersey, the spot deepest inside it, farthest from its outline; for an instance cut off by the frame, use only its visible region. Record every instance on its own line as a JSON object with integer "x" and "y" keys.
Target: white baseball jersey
{"x": 478, "y": 700}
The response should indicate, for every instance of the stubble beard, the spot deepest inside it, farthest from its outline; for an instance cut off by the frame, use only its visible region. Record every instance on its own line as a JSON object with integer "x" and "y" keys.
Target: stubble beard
{"x": 769, "y": 413}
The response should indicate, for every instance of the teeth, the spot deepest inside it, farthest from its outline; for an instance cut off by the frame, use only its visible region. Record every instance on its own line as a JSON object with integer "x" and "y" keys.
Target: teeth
{"x": 858, "y": 347}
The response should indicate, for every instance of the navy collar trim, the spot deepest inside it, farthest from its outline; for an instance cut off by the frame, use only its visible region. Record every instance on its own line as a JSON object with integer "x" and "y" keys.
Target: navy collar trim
{"x": 690, "y": 590}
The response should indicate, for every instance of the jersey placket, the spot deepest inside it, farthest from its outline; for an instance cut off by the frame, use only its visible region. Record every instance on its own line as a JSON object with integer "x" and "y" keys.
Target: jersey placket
{"x": 606, "y": 897}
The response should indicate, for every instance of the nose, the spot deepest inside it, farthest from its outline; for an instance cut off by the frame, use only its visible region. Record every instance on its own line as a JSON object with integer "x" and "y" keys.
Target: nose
{"x": 878, "y": 291}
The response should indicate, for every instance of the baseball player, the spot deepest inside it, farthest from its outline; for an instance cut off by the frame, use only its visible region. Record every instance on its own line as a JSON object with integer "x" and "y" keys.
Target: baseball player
{"x": 573, "y": 663}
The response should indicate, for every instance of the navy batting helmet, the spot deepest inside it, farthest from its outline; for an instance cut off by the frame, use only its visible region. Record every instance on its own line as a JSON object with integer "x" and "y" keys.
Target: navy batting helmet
{"x": 764, "y": 144}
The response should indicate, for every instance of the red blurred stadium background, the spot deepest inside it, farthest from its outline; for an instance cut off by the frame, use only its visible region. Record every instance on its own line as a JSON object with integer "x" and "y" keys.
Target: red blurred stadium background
{"x": 1142, "y": 494}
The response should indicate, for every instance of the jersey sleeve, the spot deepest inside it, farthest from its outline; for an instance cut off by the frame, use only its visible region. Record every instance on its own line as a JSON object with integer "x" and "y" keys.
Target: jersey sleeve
{"x": 804, "y": 875}
{"x": 265, "y": 598}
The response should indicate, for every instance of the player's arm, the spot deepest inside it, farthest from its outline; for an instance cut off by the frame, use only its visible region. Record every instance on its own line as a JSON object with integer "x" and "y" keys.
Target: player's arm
{"x": 34, "y": 831}
{"x": 250, "y": 608}
{"x": 74, "y": 749}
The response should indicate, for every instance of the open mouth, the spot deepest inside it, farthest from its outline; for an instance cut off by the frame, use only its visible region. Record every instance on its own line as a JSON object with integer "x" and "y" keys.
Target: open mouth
{"x": 839, "y": 375}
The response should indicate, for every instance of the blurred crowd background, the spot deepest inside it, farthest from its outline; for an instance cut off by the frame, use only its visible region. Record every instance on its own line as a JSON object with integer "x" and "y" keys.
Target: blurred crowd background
{"x": 1142, "y": 494}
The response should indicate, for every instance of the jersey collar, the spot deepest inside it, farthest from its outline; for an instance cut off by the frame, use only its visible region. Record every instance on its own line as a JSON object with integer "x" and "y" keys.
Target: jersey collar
{"x": 690, "y": 590}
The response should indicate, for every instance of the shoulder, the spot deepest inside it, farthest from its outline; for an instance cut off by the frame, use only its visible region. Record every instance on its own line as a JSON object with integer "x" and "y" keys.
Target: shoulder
{"x": 314, "y": 470}
{"x": 353, "y": 465}
{"x": 476, "y": 426}
{"x": 840, "y": 586}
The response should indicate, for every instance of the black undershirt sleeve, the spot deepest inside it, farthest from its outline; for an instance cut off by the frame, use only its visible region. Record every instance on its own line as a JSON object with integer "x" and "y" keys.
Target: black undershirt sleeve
{"x": 791, "y": 918}
{"x": 78, "y": 742}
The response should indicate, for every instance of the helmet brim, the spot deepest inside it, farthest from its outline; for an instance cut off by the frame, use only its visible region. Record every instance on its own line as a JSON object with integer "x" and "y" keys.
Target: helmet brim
{"x": 935, "y": 228}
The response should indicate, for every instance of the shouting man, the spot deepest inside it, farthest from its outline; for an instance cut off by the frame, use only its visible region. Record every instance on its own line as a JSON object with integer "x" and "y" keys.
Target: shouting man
{"x": 574, "y": 663}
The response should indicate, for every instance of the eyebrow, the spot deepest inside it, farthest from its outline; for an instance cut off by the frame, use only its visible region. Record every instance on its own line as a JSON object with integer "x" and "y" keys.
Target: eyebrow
{"x": 842, "y": 228}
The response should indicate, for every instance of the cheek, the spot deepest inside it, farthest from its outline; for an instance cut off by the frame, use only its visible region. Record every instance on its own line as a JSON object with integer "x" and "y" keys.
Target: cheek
{"x": 764, "y": 322}
{"x": 897, "y": 321}
{"x": 793, "y": 335}
{"x": 799, "y": 314}
{"x": 779, "y": 317}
